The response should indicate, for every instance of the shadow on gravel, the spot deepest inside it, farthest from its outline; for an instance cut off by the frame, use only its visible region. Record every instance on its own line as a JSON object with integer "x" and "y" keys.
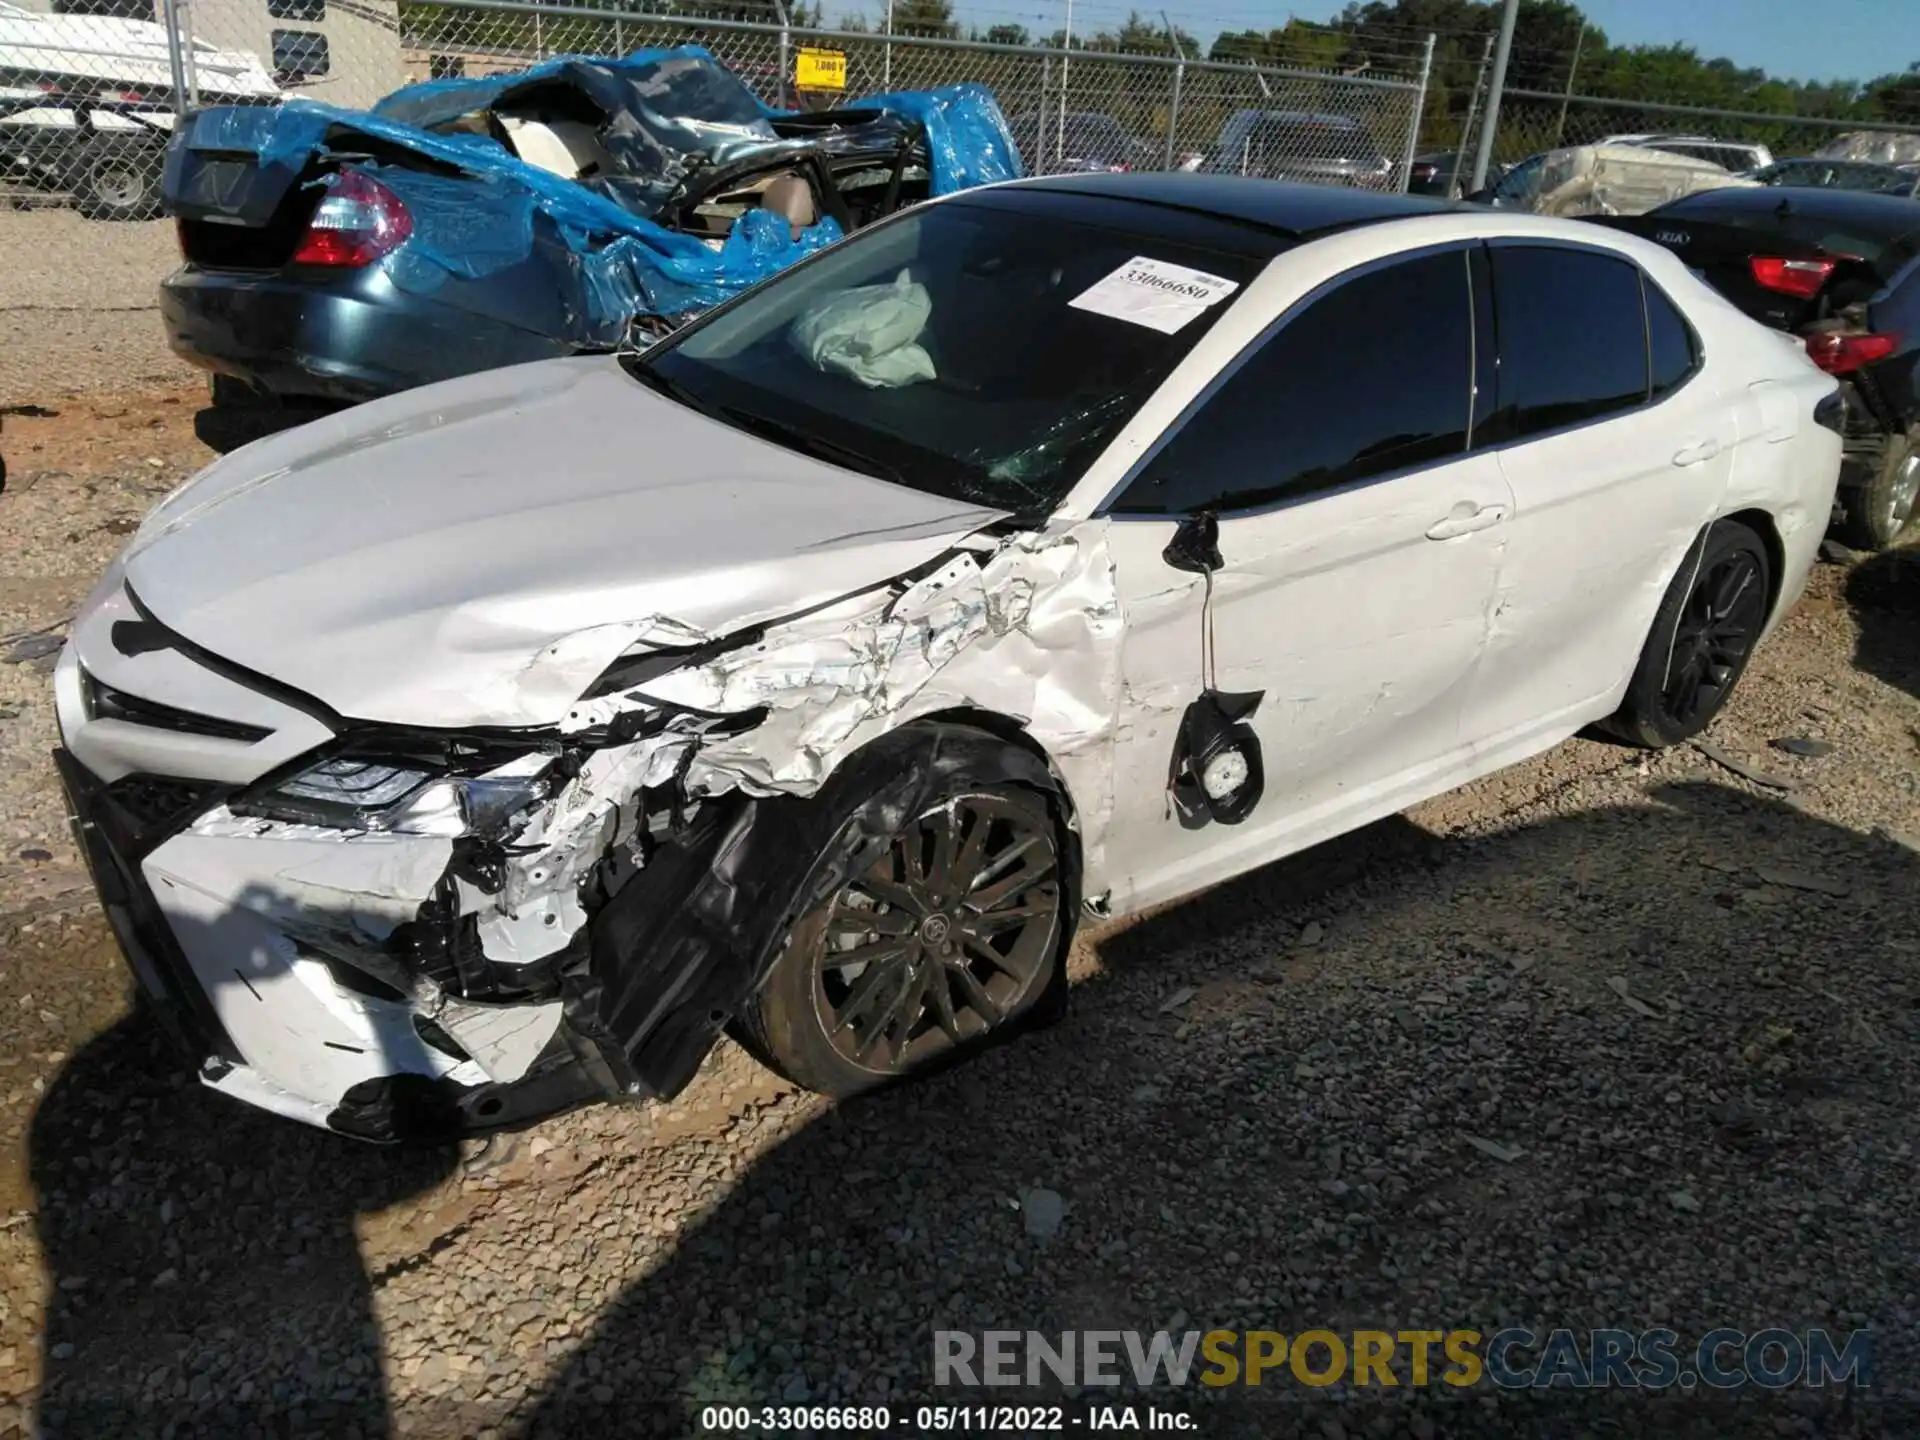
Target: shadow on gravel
{"x": 1884, "y": 593}
{"x": 225, "y": 428}
{"x": 1285, "y": 1147}
{"x": 206, "y": 1275}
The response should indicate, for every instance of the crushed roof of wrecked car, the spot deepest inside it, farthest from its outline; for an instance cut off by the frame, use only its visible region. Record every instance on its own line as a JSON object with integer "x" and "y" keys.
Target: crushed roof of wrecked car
{"x": 668, "y": 114}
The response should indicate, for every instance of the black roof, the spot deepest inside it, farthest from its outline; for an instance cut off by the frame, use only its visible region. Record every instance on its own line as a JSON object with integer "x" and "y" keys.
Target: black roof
{"x": 1870, "y": 214}
{"x": 1296, "y": 211}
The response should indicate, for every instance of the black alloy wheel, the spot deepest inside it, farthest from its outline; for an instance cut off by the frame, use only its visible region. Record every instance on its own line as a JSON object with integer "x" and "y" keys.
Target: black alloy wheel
{"x": 1714, "y": 612}
{"x": 1719, "y": 624}
{"x": 933, "y": 903}
{"x": 951, "y": 931}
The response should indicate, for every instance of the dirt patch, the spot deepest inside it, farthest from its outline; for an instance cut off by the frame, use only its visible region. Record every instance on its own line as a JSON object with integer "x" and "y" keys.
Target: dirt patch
{"x": 80, "y": 307}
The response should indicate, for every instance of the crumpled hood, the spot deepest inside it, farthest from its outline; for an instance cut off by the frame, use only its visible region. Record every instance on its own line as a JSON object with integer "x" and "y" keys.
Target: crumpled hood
{"x": 477, "y": 552}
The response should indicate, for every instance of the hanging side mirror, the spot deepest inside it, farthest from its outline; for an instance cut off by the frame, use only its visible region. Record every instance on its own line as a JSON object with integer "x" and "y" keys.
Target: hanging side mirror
{"x": 1217, "y": 770}
{"x": 1195, "y": 545}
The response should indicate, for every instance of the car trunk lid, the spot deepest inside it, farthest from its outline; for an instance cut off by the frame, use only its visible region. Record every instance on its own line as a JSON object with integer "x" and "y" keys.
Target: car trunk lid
{"x": 239, "y": 206}
{"x": 1778, "y": 279}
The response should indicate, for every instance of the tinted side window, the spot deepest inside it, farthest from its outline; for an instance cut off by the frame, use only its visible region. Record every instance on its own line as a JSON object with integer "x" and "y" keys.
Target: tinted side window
{"x": 1374, "y": 376}
{"x": 1573, "y": 339}
{"x": 1670, "y": 343}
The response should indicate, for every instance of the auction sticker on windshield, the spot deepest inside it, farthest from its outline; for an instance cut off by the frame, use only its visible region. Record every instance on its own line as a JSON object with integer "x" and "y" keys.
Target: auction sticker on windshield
{"x": 1154, "y": 293}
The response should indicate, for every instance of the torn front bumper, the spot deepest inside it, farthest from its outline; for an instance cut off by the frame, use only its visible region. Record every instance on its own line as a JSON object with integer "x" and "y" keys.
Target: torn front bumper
{"x": 243, "y": 968}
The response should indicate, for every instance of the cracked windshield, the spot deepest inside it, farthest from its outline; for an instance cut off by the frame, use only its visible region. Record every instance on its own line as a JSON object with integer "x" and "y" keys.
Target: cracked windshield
{"x": 897, "y": 347}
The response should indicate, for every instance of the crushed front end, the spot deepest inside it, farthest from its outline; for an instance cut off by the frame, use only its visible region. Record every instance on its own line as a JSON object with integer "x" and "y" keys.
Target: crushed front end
{"x": 378, "y": 930}
{"x": 397, "y": 931}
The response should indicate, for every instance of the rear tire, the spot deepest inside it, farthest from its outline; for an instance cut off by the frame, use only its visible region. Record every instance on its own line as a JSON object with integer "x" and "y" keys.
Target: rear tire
{"x": 1880, "y": 508}
{"x": 1701, "y": 641}
{"x": 116, "y": 179}
{"x": 957, "y": 899}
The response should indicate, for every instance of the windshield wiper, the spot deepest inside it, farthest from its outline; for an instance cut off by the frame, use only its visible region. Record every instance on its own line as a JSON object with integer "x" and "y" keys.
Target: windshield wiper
{"x": 666, "y": 385}
{"x": 806, "y": 442}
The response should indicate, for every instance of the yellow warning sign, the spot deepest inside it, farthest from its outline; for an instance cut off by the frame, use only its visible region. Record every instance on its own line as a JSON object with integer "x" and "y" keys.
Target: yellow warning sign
{"x": 820, "y": 70}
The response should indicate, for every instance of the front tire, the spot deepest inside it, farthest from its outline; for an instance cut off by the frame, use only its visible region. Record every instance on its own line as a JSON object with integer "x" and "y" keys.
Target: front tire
{"x": 1701, "y": 641}
{"x": 1879, "y": 509}
{"x": 934, "y": 920}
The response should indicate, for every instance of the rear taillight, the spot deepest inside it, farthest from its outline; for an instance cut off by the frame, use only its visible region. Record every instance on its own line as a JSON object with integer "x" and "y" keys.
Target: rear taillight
{"x": 1839, "y": 354}
{"x": 1801, "y": 279}
{"x": 125, "y": 97}
{"x": 359, "y": 221}
{"x": 1425, "y": 172}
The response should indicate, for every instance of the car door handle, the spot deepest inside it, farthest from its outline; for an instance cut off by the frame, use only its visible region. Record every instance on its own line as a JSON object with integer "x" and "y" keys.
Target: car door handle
{"x": 1465, "y": 519}
{"x": 1696, "y": 454}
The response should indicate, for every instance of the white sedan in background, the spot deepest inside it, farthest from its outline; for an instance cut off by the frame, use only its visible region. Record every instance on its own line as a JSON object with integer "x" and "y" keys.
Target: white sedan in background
{"x": 1061, "y": 546}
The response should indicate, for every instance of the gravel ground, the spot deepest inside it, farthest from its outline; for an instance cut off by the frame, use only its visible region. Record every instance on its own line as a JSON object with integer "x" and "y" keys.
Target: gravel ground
{"x": 78, "y": 305}
{"x": 1609, "y": 1039}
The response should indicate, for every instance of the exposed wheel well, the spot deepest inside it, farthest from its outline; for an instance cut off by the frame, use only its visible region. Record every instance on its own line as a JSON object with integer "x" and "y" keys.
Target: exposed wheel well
{"x": 1005, "y": 727}
{"x": 1761, "y": 523}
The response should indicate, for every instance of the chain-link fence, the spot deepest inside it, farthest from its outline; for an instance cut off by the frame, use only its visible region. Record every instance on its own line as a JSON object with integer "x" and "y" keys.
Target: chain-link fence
{"x": 1069, "y": 109}
{"x": 1532, "y": 121}
{"x": 88, "y": 102}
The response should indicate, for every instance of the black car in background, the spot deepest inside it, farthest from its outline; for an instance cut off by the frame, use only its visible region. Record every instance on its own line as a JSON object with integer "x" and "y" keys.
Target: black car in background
{"x": 1867, "y": 175}
{"x": 1446, "y": 173}
{"x": 1081, "y": 142}
{"x": 1840, "y": 269}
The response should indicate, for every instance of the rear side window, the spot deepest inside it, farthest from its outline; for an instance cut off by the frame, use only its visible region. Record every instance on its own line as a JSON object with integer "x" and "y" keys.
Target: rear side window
{"x": 1671, "y": 347}
{"x": 1572, "y": 337}
{"x": 1373, "y": 377}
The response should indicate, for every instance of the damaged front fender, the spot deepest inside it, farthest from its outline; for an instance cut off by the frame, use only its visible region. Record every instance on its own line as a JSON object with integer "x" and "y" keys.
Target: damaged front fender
{"x": 545, "y": 917}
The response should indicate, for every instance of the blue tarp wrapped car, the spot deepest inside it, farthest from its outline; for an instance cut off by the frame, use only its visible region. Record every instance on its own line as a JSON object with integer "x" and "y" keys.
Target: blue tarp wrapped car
{"x": 335, "y": 255}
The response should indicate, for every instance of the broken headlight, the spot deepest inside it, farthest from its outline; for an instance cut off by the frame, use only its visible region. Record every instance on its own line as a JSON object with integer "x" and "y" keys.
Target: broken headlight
{"x": 349, "y": 792}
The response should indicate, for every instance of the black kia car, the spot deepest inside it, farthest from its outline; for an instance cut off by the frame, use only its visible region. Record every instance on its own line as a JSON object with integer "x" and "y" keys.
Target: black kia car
{"x": 1841, "y": 270}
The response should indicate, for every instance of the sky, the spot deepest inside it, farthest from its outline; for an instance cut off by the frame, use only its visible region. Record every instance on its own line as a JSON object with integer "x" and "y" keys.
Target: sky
{"x": 1793, "y": 39}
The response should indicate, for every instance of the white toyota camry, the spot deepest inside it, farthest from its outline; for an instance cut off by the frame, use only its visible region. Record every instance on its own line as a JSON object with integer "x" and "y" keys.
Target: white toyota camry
{"x": 1057, "y": 547}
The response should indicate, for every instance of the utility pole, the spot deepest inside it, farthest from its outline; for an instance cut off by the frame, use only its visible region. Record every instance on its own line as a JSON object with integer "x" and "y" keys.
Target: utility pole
{"x": 1500, "y": 56}
{"x": 886, "y": 54}
{"x": 1473, "y": 108}
{"x": 1179, "y": 80}
{"x": 1560, "y": 129}
{"x": 1060, "y": 135}
{"x": 1419, "y": 116}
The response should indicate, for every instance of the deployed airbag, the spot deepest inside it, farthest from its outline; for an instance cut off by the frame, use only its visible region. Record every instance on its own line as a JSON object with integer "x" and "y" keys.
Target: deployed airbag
{"x": 870, "y": 333}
